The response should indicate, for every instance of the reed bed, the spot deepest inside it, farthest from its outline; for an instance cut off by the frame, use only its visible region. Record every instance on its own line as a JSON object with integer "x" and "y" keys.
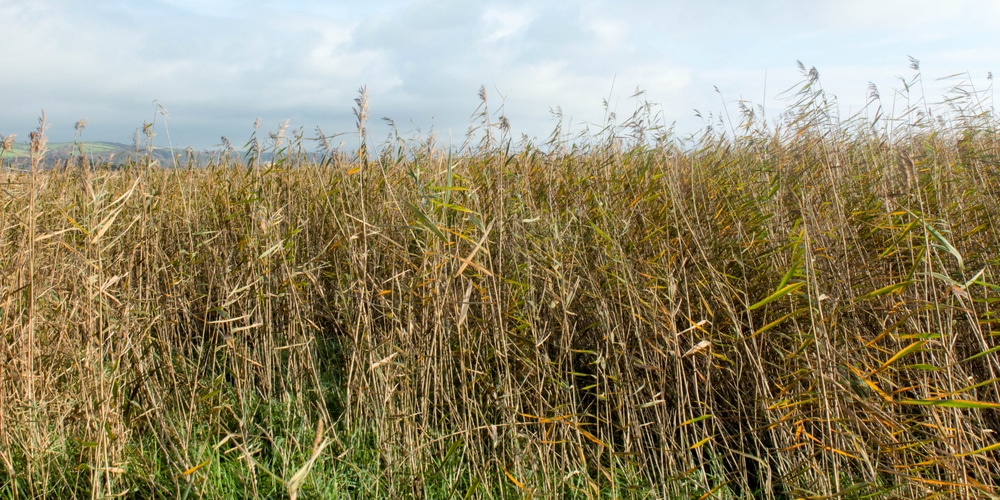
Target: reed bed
{"x": 796, "y": 310}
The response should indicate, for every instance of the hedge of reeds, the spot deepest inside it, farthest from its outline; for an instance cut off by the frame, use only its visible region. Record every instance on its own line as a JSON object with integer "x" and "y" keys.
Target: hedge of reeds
{"x": 795, "y": 309}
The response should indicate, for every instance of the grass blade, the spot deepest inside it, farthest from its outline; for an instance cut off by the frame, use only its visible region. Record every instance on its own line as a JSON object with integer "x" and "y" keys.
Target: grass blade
{"x": 787, "y": 289}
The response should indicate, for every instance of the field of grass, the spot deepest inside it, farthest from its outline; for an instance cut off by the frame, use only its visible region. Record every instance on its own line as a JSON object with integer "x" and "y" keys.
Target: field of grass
{"x": 802, "y": 309}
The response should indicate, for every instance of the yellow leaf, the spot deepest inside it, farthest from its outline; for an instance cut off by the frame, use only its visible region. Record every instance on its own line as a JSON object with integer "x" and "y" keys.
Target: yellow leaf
{"x": 513, "y": 480}
{"x": 192, "y": 470}
{"x": 591, "y": 437}
{"x": 701, "y": 443}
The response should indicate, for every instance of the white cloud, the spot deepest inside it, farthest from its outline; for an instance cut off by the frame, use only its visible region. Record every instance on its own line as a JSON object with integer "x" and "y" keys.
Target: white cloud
{"x": 504, "y": 22}
{"x": 611, "y": 33}
{"x": 911, "y": 18}
{"x": 218, "y": 64}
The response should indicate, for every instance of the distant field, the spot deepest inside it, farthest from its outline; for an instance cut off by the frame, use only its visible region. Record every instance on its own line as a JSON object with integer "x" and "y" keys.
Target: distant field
{"x": 20, "y": 149}
{"x": 796, "y": 310}
{"x": 57, "y": 155}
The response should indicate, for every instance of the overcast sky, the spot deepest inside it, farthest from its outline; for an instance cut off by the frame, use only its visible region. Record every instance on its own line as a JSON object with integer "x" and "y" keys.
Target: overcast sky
{"x": 217, "y": 65}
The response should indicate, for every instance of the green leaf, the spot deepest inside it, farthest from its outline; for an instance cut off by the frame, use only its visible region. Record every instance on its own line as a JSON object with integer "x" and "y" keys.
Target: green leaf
{"x": 600, "y": 232}
{"x": 426, "y": 222}
{"x": 778, "y": 321}
{"x": 695, "y": 419}
{"x": 921, "y": 366}
{"x": 981, "y": 450}
{"x": 963, "y": 404}
{"x": 885, "y": 290}
{"x": 787, "y": 289}
{"x": 984, "y": 353}
{"x": 472, "y": 488}
{"x": 974, "y": 279}
{"x": 893, "y": 247}
{"x": 452, "y": 206}
{"x": 902, "y": 352}
{"x": 977, "y": 386}
{"x": 793, "y": 270}
{"x": 991, "y": 286}
{"x": 945, "y": 245}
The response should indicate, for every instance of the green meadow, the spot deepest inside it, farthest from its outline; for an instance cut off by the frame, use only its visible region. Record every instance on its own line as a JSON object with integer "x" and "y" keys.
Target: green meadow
{"x": 800, "y": 308}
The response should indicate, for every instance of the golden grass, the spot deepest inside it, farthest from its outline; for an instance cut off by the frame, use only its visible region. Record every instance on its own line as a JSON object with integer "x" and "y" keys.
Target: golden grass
{"x": 794, "y": 311}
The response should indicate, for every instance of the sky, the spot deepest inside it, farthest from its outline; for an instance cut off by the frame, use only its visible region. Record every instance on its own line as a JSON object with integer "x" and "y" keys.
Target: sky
{"x": 204, "y": 69}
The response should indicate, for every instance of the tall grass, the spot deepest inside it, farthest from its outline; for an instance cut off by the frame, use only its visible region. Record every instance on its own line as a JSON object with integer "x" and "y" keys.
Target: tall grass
{"x": 795, "y": 310}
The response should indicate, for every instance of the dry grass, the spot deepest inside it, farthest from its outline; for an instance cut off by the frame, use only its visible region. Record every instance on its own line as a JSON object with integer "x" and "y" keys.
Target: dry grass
{"x": 799, "y": 311}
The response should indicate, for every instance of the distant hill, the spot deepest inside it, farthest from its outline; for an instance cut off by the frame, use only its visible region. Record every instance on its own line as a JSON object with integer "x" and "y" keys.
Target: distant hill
{"x": 58, "y": 153}
{"x": 111, "y": 153}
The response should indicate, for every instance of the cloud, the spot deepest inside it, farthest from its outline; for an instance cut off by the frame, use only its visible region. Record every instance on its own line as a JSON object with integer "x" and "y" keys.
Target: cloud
{"x": 504, "y": 22}
{"x": 217, "y": 65}
{"x": 919, "y": 19}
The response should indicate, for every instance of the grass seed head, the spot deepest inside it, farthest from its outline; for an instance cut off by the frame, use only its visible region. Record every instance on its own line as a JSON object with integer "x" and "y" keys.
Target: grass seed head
{"x": 7, "y": 142}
